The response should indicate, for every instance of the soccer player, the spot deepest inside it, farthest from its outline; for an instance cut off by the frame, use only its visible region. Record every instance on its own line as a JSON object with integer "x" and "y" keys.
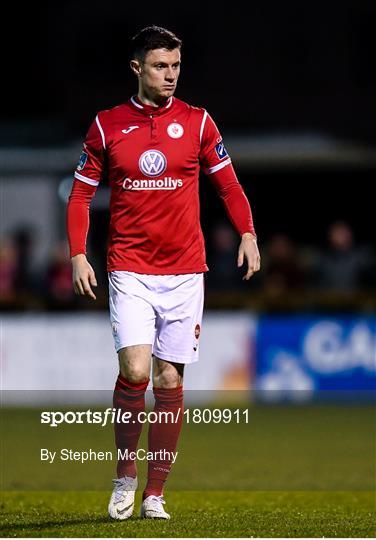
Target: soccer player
{"x": 152, "y": 148}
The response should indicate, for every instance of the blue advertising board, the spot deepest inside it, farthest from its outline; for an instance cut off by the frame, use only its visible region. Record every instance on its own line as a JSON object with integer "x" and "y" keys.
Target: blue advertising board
{"x": 310, "y": 354}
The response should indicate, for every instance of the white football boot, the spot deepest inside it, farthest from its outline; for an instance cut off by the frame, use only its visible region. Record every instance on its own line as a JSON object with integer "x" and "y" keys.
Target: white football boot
{"x": 122, "y": 499}
{"x": 152, "y": 508}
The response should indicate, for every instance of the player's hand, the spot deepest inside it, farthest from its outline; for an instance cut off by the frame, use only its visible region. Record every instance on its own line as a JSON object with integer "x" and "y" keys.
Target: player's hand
{"x": 83, "y": 276}
{"x": 248, "y": 249}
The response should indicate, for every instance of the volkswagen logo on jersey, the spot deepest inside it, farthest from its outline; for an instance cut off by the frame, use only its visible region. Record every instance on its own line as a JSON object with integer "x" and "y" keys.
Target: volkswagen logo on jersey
{"x": 152, "y": 163}
{"x": 175, "y": 130}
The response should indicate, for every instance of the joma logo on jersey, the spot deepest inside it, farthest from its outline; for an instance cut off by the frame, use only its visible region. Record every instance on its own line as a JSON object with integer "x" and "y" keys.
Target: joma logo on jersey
{"x": 152, "y": 163}
{"x": 147, "y": 184}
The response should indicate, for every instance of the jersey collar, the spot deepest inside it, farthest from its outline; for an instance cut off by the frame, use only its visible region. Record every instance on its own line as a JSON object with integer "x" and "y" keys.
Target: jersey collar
{"x": 136, "y": 103}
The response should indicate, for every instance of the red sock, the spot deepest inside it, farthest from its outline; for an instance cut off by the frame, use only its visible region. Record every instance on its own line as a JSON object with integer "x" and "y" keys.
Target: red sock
{"x": 128, "y": 397}
{"x": 163, "y": 435}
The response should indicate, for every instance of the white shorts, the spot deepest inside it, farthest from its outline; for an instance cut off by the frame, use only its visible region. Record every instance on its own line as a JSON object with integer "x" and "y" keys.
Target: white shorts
{"x": 163, "y": 311}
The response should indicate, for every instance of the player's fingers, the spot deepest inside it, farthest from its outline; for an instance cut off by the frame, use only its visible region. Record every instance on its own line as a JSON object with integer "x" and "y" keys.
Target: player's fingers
{"x": 87, "y": 289}
{"x": 240, "y": 258}
{"x": 249, "y": 273}
{"x": 78, "y": 287}
{"x": 253, "y": 266}
{"x": 92, "y": 279}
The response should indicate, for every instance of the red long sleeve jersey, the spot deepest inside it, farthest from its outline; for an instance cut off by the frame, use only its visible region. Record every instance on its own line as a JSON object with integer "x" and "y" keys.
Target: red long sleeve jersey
{"x": 153, "y": 158}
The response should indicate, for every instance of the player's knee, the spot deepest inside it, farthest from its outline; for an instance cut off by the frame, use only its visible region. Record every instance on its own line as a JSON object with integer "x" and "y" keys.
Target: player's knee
{"x": 135, "y": 374}
{"x": 167, "y": 379}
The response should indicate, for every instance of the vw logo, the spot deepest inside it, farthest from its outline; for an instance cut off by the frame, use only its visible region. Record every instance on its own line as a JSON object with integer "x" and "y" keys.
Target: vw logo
{"x": 152, "y": 163}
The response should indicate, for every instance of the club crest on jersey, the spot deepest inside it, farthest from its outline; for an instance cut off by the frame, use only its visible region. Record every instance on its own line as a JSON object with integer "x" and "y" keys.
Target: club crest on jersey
{"x": 175, "y": 130}
{"x": 152, "y": 163}
{"x": 82, "y": 161}
{"x": 221, "y": 150}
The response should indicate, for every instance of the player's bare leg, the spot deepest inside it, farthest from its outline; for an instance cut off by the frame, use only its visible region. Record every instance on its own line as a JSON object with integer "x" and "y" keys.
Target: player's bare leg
{"x": 129, "y": 396}
{"x": 135, "y": 362}
{"x": 167, "y": 374}
{"x": 163, "y": 435}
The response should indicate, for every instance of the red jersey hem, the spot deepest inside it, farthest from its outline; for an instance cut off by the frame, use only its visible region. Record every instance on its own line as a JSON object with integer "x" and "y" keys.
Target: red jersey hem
{"x": 152, "y": 272}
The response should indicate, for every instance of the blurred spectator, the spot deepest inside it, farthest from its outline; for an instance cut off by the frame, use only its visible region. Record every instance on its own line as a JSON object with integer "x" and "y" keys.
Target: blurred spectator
{"x": 8, "y": 270}
{"x": 287, "y": 271}
{"x": 222, "y": 259}
{"x": 60, "y": 293}
{"x": 24, "y": 240}
{"x": 18, "y": 285}
{"x": 281, "y": 267}
{"x": 344, "y": 266}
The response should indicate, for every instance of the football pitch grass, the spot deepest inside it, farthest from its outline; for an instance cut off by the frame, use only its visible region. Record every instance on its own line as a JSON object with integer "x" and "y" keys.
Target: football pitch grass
{"x": 291, "y": 471}
{"x": 194, "y": 514}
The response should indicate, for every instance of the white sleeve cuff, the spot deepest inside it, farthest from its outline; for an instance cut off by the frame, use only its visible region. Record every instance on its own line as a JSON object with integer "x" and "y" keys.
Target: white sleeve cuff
{"x": 85, "y": 179}
{"x": 218, "y": 167}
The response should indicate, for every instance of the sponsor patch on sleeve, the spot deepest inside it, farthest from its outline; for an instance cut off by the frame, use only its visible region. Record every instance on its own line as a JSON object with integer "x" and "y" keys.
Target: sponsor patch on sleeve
{"x": 82, "y": 161}
{"x": 221, "y": 150}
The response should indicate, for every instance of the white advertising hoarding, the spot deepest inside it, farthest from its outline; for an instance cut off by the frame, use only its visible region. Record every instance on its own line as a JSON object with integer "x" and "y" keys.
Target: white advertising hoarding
{"x": 58, "y": 352}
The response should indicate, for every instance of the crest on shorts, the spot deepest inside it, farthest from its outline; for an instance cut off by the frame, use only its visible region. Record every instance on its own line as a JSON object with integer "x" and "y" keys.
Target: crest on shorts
{"x": 197, "y": 335}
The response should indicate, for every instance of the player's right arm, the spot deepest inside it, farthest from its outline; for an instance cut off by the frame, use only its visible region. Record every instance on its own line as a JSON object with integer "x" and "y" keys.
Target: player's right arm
{"x": 87, "y": 177}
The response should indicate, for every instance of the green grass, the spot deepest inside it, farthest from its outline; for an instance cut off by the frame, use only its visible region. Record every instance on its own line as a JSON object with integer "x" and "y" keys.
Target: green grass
{"x": 194, "y": 514}
{"x": 291, "y": 471}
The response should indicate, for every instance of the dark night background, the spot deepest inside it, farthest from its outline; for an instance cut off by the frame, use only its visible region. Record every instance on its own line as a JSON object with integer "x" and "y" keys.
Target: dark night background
{"x": 258, "y": 67}
{"x": 268, "y": 72}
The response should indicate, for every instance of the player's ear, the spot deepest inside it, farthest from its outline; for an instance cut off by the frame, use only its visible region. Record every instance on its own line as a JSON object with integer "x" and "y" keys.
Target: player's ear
{"x": 136, "y": 67}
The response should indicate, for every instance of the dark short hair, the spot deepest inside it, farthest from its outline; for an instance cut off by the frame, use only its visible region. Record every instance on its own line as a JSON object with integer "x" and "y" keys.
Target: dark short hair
{"x": 153, "y": 37}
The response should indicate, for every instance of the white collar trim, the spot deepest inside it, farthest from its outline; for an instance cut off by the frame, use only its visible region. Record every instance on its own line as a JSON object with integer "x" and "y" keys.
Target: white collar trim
{"x": 141, "y": 106}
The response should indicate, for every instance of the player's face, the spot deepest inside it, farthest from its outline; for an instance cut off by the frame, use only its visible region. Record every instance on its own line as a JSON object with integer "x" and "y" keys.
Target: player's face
{"x": 159, "y": 73}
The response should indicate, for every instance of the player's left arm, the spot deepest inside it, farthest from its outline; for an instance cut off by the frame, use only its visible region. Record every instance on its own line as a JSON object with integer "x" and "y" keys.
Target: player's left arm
{"x": 239, "y": 212}
{"x": 217, "y": 165}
